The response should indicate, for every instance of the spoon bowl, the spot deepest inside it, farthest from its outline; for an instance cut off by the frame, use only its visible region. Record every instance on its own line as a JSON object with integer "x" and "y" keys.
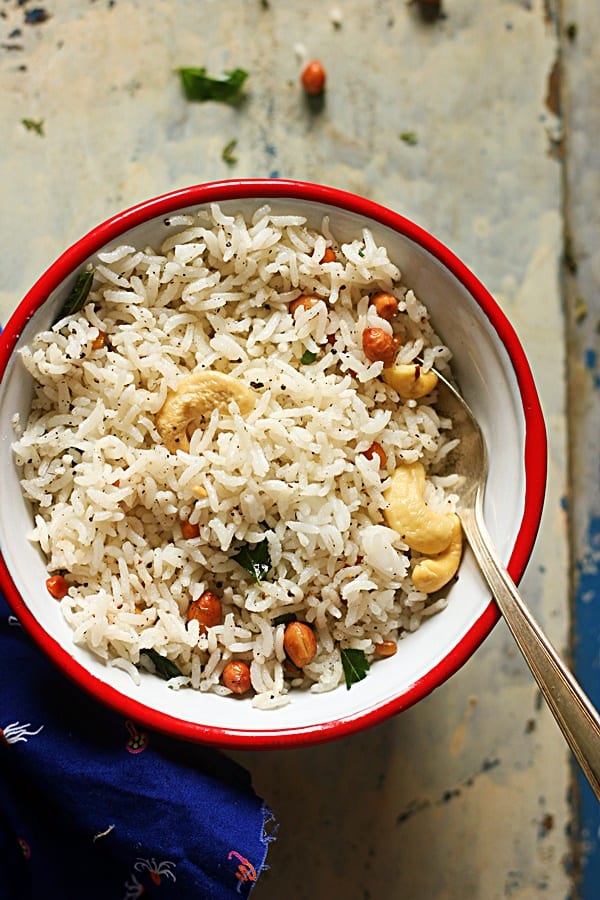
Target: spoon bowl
{"x": 575, "y": 714}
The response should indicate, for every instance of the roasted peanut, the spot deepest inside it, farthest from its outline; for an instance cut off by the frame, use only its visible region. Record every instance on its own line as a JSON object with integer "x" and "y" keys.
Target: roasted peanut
{"x": 386, "y": 305}
{"x": 306, "y": 301}
{"x": 385, "y": 648}
{"x": 206, "y": 610}
{"x": 299, "y": 643}
{"x": 57, "y": 586}
{"x": 422, "y": 528}
{"x": 290, "y": 670}
{"x": 379, "y": 346}
{"x": 313, "y": 77}
{"x": 236, "y": 676}
{"x": 99, "y": 342}
{"x": 376, "y": 450}
{"x": 189, "y": 531}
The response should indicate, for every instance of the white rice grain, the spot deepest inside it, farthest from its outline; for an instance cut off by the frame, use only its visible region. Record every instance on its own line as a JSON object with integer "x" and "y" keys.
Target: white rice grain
{"x": 110, "y": 500}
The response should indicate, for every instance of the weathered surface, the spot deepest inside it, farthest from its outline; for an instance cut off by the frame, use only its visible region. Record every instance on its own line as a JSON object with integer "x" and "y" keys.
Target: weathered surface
{"x": 581, "y": 102}
{"x": 453, "y": 123}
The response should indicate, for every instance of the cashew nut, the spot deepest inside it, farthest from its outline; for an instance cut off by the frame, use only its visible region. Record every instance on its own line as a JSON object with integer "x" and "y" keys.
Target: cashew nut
{"x": 195, "y": 398}
{"x": 422, "y": 528}
{"x": 430, "y": 575}
{"x": 409, "y": 381}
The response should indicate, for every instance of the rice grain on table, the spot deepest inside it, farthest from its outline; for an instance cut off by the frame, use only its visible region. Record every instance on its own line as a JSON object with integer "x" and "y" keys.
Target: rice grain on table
{"x": 109, "y": 499}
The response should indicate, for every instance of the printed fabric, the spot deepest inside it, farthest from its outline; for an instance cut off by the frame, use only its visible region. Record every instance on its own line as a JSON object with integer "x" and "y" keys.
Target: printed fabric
{"x": 94, "y": 806}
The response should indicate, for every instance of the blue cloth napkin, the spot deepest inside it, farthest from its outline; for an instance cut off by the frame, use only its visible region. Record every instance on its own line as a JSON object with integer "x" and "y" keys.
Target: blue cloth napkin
{"x": 96, "y": 807}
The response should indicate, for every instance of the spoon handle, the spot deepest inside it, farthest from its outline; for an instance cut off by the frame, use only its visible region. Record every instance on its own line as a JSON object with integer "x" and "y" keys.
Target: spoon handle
{"x": 578, "y": 719}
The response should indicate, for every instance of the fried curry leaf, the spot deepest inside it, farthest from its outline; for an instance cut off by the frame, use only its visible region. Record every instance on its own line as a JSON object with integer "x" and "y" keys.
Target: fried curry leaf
{"x": 284, "y": 619}
{"x": 36, "y": 125}
{"x": 228, "y": 155}
{"x": 164, "y": 667}
{"x": 308, "y": 357}
{"x": 409, "y": 137}
{"x": 197, "y": 85}
{"x": 255, "y": 559}
{"x": 355, "y": 665}
{"x": 78, "y": 294}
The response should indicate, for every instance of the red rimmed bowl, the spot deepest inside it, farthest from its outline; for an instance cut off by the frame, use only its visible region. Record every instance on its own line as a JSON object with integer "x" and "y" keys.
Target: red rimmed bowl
{"x": 494, "y": 375}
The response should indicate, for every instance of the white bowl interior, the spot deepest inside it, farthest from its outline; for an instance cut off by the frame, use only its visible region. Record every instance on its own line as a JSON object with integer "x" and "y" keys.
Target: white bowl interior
{"x": 487, "y": 378}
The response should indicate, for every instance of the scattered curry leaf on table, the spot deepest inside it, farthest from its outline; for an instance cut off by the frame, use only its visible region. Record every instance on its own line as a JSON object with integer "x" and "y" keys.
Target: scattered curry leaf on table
{"x": 164, "y": 667}
{"x": 255, "y": 559}
{"x": 197, "y": 85}
{"x": 78, "y": 294}
{"x": 409, "y": 137}
{"x": 36, "y": 125}
{"x": 355, "y": 665}
{"x": 228, "y": 155}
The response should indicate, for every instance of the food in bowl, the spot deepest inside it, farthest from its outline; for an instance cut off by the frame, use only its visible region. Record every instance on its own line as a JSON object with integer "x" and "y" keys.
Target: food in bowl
{"x": 231, "y": 454}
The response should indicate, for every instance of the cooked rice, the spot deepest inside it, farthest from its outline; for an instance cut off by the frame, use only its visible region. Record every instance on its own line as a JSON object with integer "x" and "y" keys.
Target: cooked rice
{"x": 109, "y": 499}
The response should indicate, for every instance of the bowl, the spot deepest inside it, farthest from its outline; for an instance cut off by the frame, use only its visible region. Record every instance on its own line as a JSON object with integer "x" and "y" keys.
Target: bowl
{"x": 493, "y": 373}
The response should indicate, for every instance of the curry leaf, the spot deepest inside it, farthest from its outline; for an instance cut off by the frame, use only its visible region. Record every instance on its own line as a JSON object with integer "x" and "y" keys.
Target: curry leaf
{"x": 197, "y": 85}
{"x": 355, "y": 665}
{"x": 284, "y": 619}
{"x": 228, "y": 155}
{"x": 78, "y": 294}
{"x": 308, "y": 357}
{"x": 409, "y": 137}
{"x": 36, "y": 125}
{"x": 164, "y": 667}
{"x": 255, "y": 559}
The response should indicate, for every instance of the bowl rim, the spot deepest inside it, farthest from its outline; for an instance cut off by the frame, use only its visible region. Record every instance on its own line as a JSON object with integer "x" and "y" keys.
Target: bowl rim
{"x": 534, "y": 457}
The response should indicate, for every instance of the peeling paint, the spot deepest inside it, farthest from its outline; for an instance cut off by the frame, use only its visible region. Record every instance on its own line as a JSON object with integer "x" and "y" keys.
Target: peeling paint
{"x": 546, "y": 825}
{"x": 549, "y": 12}
{"x": 590, "y": 358}
{"x": 552, "y": 99}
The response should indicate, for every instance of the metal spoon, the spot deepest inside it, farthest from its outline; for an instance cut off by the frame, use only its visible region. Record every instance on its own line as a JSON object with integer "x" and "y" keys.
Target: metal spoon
{"x": 578, "y": 719}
